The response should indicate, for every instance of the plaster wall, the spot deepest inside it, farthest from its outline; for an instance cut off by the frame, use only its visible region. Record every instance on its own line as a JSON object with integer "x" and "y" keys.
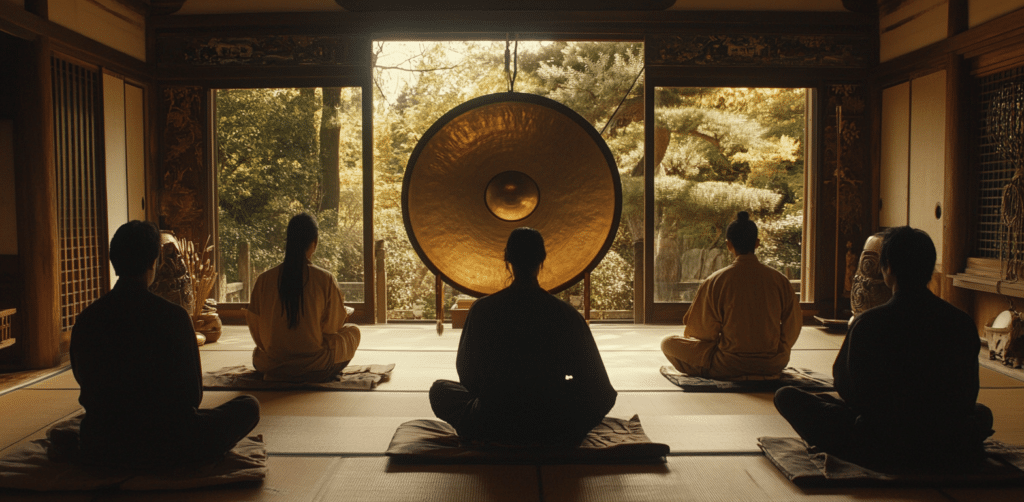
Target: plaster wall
{"x": 980, "y": 11}
{"x": 108, "y": 22}
{"x": 19, "y": 3}
{"x": 928, "y": 156}
{"x": 123, "y": 123}
{"x": 915, "y": 24}
{"x": 894, "y": 171}
{"x": 9, "y": 220}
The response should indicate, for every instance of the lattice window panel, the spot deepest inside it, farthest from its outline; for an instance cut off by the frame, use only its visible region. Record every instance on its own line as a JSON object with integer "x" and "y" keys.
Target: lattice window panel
{"x": 81, "y": 214}
{"x": 994, "y": 171}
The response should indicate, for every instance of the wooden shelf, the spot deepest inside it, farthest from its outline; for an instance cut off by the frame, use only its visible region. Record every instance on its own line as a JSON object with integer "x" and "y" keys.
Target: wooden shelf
{"x": 985, "y": 274}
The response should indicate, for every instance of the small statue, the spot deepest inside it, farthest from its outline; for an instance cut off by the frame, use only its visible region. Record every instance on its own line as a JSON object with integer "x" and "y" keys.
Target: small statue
{"x": 172, "y": 281}
{"x": 868, "y": 289}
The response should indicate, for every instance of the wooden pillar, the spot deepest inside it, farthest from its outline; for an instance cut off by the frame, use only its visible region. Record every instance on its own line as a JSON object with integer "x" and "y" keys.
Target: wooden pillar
{"x": 380, "y": 256}
{"x": 638, "y": 282}
{"x": 35, "y": 181}
{"x": 244, "y": 271}
{"x": 956, "y": 199}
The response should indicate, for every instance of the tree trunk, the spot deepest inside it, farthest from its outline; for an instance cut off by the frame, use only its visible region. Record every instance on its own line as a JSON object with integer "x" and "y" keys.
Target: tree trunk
{"x": 330, "y": 143}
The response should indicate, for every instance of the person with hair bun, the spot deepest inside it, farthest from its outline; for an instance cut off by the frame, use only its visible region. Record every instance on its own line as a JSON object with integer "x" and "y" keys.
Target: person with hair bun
{"x": 528, "y": 366}
{"x": 296, "y": 314}
{"x": 744, "y": 319}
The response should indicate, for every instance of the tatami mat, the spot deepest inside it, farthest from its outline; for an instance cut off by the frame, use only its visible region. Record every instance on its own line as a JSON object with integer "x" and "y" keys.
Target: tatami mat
{"x": 714, "y": 433}
{"x": 289, "y": 479}
{"x": 344, "y": 404}
{"x": 423, "y": 336}
{"x": 1008, "y": 409}
{"x": 329, "y": 445}
{"x": 647, "y": 404}
{"x": 27, "y": 411}
{"x": 994, "y": 380}
{"x": 290, "y": 434}
{"x": 701, "y": 478}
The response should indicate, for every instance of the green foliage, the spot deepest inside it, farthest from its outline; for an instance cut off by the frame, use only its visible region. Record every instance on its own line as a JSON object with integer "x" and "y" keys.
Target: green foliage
{"x": 729, "y": 149}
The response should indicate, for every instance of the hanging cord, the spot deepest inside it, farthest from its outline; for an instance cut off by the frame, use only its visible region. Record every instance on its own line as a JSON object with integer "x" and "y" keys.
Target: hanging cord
{"x": 624, "y": 96}
{"x": 511, "y": 61}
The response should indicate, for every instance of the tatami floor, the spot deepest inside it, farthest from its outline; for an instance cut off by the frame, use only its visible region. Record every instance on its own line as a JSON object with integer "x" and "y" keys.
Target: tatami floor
{"x": 330, "y": 445}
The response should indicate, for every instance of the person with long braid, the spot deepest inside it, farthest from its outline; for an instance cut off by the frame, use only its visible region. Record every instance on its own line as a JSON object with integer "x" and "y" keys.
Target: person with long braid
{"x": 296, "y": 314}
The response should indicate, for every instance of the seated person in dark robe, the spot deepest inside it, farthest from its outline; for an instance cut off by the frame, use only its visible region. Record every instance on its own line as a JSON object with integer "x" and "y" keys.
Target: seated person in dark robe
{"x": 907, "y": 377}
{"x": 529, "y": 369}
{"x": 135, "y": 357}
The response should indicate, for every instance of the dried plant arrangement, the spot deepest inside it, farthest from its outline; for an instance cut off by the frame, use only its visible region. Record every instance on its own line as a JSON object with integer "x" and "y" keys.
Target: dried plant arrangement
{"x": 201, "y": 271}
{"x": 1005, "y": 122}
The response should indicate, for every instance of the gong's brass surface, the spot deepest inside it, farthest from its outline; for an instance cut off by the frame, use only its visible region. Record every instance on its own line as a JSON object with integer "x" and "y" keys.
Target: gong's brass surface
{"x": 504, "y": 161}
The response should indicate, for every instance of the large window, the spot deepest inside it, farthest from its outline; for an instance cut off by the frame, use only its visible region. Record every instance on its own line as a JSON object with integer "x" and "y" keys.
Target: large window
{"x": 719, "y": 151}
{"x": 280, "y": 152}
{"x": 417, "y": 82}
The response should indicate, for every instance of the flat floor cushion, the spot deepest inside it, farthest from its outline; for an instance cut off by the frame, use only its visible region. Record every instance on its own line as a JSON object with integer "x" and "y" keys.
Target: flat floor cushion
{"x": 243, "y": 377}
{"x": 1003, "y": 465}
{"x": 808, "y": 380}
{"x": 29, "y": 467}
{"x": 613, "y": 441}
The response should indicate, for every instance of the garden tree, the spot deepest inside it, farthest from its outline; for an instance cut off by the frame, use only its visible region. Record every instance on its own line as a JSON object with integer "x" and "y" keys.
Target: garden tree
{"x": 717, "y": 151}
{"x": 330, "y": 144}
{"x": 270, "y": 168}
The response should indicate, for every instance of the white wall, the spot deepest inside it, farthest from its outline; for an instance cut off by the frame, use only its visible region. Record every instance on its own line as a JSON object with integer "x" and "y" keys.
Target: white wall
{"x": 979, "y": 11}
{"x": 928, "y": 155}
{"x": 108, "y": 22}
{"x": 123, "y": 128}
{"x": 894, "y": 171}
{"x": 913, "y": 156}
{"x": 8, "y": 209}
{"x": 915, "y": 24}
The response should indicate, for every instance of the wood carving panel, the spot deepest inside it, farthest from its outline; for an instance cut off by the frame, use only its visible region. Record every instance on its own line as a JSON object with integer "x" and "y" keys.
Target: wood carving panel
{"x": 847, "y": 165}
{"x": 840, "y": 51}
{"x": 260, "y": 51}
{"x": 184, "y": 176}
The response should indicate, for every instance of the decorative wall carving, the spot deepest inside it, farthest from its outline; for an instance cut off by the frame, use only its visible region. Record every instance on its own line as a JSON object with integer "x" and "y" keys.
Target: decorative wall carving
{"x": 846, "y": 167}
{"x": 184, "y": 177}
{"x": 846, "y": 161}
{"x": 844, "y": 51}
{"x": 263, "y": 50}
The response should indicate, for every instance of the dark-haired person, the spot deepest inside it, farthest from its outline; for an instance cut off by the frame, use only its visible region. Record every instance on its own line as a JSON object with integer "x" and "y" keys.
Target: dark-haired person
{"x": 907, "y": 376}
{"x": 744, "y": 319}
{"x": 529, "y": 368}
{"x": 135, "y": 357}
{"x": 296, "y": 314}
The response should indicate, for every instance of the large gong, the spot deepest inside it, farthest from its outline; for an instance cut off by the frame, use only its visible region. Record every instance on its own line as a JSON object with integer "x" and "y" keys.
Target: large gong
{"x": 504, "y": 161}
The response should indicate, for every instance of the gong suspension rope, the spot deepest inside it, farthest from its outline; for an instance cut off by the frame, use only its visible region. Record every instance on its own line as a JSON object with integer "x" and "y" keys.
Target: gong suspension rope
{"x": 511, "y": 61}
{"x": 623, "y": 100}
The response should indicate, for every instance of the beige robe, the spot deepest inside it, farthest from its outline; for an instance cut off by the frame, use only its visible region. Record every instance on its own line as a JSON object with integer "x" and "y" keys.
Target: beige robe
{"x": 743, "y": 322}
{"x": 317, "y": 344}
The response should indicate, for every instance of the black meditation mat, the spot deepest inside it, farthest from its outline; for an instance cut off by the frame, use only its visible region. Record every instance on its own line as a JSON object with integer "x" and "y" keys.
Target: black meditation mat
{"x": 29, "y": 467}
{"x": 805, "y": 379}
{"x": 806, "y": 468}
{"x": 613, "y": 441}
{"x": 244, "y": 377}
